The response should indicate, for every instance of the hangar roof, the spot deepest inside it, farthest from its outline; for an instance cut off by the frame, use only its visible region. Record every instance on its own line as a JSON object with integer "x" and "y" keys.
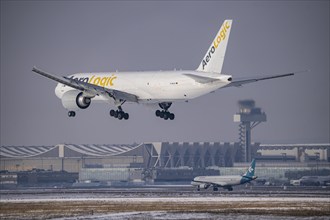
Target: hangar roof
{"x": 85, "y": 149}
{"x": 24, "y": 151}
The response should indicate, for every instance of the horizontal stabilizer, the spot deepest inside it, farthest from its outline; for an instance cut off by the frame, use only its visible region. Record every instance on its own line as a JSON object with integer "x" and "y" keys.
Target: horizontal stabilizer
{"x": 236, "y": 82}
{"x": 201, "y": 79}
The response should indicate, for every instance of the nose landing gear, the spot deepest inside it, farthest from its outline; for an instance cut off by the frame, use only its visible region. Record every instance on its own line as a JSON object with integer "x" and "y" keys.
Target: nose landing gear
{"x": 71, "y": 114}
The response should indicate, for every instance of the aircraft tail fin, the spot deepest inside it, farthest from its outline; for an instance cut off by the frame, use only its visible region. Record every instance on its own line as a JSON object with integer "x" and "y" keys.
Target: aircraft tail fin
{"x": 250, "y": 171}
{"x": 214, "y": 57}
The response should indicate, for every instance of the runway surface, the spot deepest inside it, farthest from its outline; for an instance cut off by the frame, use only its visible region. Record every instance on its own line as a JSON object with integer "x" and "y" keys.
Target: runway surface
{"x": 169, "y": 202}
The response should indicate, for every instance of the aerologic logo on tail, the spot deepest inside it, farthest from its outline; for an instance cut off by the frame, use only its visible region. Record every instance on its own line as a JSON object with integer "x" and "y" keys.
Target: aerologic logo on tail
{"x": 220, "y": 37}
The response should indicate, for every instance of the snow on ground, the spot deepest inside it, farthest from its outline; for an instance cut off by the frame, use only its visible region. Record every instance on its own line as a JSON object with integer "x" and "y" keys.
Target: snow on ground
{"x": 162, "y": 199}
{"x": 187, "y": 216}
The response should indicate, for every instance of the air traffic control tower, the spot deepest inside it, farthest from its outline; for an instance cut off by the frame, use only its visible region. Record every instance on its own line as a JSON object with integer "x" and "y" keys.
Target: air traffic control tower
{"x": 249, "y": 116}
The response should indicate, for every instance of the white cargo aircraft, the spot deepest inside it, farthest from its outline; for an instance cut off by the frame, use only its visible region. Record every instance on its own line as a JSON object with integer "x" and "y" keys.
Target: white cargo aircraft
{"x": 159, "y": 87}
{"x": 226, "y": 182}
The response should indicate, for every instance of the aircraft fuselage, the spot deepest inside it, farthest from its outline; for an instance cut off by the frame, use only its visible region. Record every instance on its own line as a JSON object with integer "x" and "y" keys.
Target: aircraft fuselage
{"x": 150, "y": 87}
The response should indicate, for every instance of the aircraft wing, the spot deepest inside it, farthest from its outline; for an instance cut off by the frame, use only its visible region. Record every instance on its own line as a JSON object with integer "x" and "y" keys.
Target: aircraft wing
{"x": 241, "y": 81}
{"x": 89, "y": 88}
{"x": 57, "y": 78}
{"x": 222, "y": 184}
{"x": 219, "y": 184}
{"x": 98, "y": 90}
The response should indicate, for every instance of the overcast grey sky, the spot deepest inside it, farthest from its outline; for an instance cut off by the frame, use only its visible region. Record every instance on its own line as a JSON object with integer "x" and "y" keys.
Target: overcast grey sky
{"x": 68, "y": 37}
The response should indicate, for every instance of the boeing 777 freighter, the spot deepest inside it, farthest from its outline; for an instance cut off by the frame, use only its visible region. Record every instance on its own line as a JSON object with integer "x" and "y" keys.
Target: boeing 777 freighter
{"x": 226, "y": 182}
{"x": 77, "y": 91}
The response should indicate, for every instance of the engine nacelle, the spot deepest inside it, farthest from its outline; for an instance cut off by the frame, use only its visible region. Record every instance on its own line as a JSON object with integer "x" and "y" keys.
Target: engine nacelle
{"x": 74, "y": 100}
{"x": 204, "y": 185}
{"x": 82, "y": 101}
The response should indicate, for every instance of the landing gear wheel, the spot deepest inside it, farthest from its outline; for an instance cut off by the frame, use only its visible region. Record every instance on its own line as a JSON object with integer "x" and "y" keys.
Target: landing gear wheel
{"x": 215, "y": 188}
{"x": 120, "y": 114}
{"x": 112, "y": 113}
{"x": 166, "y": 115}
{"x": 158, "y": 112}
{"x": 71, "y": 114}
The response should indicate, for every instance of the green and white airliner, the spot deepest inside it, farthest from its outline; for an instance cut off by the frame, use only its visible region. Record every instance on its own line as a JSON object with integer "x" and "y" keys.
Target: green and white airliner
{"x": 227, "y": 182}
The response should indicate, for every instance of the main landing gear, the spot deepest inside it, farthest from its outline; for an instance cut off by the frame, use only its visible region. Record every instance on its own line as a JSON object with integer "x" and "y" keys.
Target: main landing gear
{"x": 165, "y": 114}
{"x": 71, "y": 114}
{"x": 230, "y": 188}
{"x": 120, "y": 114}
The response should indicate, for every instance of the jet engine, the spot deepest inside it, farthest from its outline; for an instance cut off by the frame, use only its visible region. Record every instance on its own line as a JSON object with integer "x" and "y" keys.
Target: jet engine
{"x": 204, "y": 185}
{"x": 82, "y": 101}
{"x": 74, "y": 100}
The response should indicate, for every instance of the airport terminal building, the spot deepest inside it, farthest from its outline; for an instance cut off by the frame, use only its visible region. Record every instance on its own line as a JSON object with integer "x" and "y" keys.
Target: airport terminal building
{"x": 73, "y": 157}
{"x": 163, "y": 160}
{"x": 171, "y": 161}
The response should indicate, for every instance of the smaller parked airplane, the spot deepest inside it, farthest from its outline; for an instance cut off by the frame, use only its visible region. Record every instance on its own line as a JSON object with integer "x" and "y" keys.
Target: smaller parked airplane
{"x": 225, "y": 181}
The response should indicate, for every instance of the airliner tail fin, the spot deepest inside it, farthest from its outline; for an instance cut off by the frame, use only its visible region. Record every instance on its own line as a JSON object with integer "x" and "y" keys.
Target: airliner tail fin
{"x": 214, "y": 57}
{"x": 250, "y": 172}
